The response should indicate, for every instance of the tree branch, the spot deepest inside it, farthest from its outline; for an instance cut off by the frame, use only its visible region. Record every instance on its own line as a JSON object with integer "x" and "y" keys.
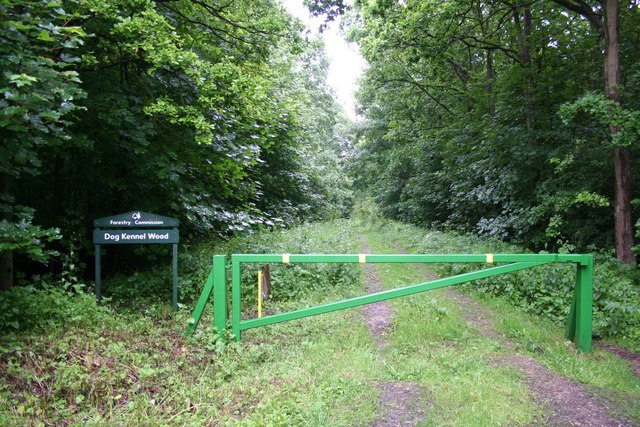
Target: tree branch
{"x": 582, "y": 8}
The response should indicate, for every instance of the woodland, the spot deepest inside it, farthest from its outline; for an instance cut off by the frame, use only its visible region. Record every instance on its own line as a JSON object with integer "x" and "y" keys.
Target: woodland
{"x": 514, "y": 120}
{"x": 214, "y": 113}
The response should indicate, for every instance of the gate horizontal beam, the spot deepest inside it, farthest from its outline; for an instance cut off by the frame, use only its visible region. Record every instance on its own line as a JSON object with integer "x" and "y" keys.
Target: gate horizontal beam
{"x": 408, "y": 258}
{"x": 384, "y": 295}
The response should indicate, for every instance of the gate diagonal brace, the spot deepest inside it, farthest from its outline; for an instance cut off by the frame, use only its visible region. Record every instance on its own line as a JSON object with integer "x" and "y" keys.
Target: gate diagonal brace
{"x": 386, "y": 295}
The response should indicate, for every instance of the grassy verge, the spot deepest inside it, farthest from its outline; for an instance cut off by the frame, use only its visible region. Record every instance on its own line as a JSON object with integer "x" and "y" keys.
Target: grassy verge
{"x": 128, "y": 363}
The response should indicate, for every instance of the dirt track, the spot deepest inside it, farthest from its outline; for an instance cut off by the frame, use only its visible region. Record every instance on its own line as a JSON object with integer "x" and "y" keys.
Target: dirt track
{"x": 401, "y": 403}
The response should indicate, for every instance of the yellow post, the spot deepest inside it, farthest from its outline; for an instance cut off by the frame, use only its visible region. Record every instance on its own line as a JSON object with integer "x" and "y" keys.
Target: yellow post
{"x": 259, "y": 294}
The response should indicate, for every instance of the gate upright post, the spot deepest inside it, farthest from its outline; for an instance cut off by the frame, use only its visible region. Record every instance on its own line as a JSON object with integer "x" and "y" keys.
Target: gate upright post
{"x": 235, "y": 299}
{"x": 220, "y": 295}
{"x": 583, "y": 305}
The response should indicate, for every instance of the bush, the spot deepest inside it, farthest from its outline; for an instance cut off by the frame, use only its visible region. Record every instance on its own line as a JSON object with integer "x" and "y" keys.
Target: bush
{"x": 48, "y": 307}
{"x": 544, "y": 291}
{"x": 288, "y": 282}
{"x": 294, "y": 281}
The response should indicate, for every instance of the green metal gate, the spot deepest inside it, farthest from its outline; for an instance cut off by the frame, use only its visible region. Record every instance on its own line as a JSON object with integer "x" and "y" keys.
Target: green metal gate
{"x": 579, "y": 323}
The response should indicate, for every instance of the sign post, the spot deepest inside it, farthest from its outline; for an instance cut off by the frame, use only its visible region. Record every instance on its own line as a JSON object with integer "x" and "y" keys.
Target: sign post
{"x": 136, "y": 227}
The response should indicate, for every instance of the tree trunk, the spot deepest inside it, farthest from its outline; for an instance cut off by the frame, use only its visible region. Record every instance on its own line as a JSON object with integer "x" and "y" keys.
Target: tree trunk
{"x": 526, "y": 58}
{"x": 523, "y": 32}
{"x": 621, "y": 155}
{"x": 623, "y": 220}
{"x": 6, "y": 258}
{"x": 6, "y": 270}
{"x": 611, "y": 53}
{"x": 491, "y": 76}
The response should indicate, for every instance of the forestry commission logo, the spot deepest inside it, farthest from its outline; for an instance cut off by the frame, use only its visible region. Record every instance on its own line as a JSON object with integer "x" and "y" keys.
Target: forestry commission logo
{"x": 136, "y": 215}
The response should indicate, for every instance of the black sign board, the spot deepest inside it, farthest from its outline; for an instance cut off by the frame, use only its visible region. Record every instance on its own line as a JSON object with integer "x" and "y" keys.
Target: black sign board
{"x": 137, "y": 227}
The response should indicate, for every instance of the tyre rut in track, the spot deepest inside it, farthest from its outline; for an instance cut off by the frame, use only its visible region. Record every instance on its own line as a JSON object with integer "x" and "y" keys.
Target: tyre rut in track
{"x": 401, "y": 403}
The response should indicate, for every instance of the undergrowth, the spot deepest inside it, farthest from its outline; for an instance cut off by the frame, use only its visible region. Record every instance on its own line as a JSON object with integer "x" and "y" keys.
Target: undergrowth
{"x": 66, "y": 361}
{"x": 544, "y": 291}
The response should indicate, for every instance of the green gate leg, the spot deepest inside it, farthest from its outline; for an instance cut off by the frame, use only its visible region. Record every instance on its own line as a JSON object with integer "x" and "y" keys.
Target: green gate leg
{"x": 235, "y": 299}
{"x": 216, "y": 283}
{"x": 584, "y": 304}
{"x": 220, "y": 295}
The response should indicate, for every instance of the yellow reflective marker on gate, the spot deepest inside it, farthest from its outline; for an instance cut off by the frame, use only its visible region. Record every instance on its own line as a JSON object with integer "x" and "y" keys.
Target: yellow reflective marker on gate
{"x": 259, "y": 294}
{"x": 362, "y": 258}
{"x": 285, "y": 258}
{"x": 489, "y": 258}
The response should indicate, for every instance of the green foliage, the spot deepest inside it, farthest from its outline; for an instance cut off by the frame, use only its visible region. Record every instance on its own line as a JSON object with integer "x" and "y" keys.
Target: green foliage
{"x": 544, "y": 291}
{"x": 45, "y": 308}
{"x": 368, "y": 212}
{"x": 49, "y": 303}
{"x": 297, "y": 281}
{"x": 476, "y": 124}
{"x": 40, "y": 90}
{"x": 38, "y": 50}
{"x": 605, "y": 112}
{"x": 220, "y": 115}
{"x": 592, "y": 199}
{"x": 23, "y": 236}
{"x": 202, "y": 100}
